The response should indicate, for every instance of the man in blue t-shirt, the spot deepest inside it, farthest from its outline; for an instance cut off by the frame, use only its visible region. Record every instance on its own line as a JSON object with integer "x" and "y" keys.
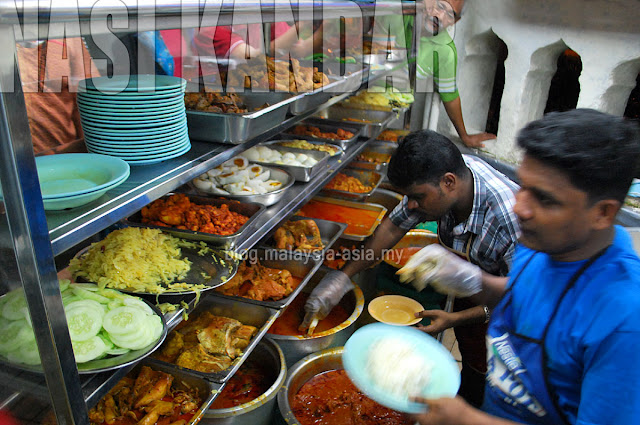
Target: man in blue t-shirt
{"x": 564, "y": 337}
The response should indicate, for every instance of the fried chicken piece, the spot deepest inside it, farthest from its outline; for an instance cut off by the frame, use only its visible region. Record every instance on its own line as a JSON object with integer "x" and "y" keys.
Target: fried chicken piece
{"x": 216, "y": 337}
{"x": 197, "y": 358}
{"x": 301, "y": 235}
{"x": 259, "y": 283}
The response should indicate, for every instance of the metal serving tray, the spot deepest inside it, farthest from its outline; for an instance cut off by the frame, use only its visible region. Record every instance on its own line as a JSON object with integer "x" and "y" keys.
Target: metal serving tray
{"x": 238, "y": 128}
{"x": 326, "y": 127}
{"x": 377, "y": 147}
{"x": 315, "y": 98}
{"x": 339, "y": 150}
{"x": 249, "y": 314}
{"x": 300, "y": 265}
{"x": 265, "y": 199}
{"x": 185, "y": 380}
{"x": 351, "y": 80}
{"x": 330, "y": 231}
{"x": 367, "y": 177}
{"x": 378, "y": 209}
{"x": 373, "y": 121}
{"x": 251, "y": 210}
{"x": 302, "y": 174}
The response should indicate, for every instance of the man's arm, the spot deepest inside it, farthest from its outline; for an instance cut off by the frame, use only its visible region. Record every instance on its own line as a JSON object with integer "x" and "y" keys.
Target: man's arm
{"x": 454, "y": 111}
{"x": 441, "y": 320}
{"x": 385, "y": 237}
{"x": 493, "y": 288}
{"x": 455, "y": 411}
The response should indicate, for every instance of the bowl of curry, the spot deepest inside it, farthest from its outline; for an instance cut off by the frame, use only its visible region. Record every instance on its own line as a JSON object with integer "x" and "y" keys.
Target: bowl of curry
{"x": 249, "y": 397}
{"x": 318, "y": 391}
{"x": 332, "y": 331}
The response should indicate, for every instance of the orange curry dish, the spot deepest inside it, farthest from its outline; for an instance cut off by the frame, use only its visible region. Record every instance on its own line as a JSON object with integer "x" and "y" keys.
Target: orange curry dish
{"x": 206, "y": 343}
{"x": 260, "y": 283}
{"x": 179, "y": 212}
{"x": 309, "y": 130}
{"x": 347, "y": 184}
{"x": 148, "y": 400}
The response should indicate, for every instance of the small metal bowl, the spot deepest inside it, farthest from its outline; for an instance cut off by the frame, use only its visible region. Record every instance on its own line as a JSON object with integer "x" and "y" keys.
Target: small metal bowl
{"x": 265, "y": 199}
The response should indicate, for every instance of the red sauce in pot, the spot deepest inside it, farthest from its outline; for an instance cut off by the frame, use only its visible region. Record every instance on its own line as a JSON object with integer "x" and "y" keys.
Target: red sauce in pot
{"x": 330, "y": 398}
{"x": 291, "y": 318}
{"x": 248, "y": 383}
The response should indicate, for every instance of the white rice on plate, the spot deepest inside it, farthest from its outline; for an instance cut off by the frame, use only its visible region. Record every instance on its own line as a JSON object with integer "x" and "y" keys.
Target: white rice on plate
{"x": 396, "y": 367}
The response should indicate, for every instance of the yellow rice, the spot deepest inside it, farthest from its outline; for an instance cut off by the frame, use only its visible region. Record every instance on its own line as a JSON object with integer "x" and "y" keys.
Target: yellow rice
{"x": 135, "y": 259}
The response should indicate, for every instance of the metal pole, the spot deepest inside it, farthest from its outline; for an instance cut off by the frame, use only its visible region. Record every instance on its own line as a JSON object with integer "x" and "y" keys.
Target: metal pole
{"x": 30, "y": 238}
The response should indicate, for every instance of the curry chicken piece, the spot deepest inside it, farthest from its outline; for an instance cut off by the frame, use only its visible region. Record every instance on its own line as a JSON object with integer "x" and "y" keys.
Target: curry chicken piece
{"x": 147, "y": 400}
{"x": 206, "y": 343}
{"x": 258, "y": 282}
{"x": 301, "y": 235}
{"x": 178, "y": 211}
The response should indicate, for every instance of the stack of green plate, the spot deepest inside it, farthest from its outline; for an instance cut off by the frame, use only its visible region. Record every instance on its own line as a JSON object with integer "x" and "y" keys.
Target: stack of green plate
{"x": 140, "y": 119}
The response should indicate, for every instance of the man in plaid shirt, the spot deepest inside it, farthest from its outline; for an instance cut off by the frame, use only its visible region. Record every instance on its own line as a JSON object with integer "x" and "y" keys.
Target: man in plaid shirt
{"x": 473, "y": 204}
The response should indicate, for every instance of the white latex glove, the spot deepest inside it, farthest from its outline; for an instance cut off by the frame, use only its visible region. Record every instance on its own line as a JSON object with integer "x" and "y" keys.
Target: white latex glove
{"x": 443, "y": 270}
{"x": 326, "y": 295}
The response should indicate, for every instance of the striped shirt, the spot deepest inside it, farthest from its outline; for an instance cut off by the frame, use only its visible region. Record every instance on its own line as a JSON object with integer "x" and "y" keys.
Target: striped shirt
{"x": 492, "y": 221}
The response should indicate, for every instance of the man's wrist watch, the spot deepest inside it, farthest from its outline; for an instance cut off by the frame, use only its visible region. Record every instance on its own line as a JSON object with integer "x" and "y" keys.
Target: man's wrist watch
{"x": 487, "y": 313}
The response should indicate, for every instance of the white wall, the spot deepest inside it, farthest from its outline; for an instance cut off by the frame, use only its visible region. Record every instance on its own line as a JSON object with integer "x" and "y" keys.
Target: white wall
{"x": 606, "y": 35}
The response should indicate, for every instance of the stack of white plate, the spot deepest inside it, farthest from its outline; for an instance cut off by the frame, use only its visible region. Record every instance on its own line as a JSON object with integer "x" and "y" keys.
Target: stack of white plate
{"x": 140, "y": 119}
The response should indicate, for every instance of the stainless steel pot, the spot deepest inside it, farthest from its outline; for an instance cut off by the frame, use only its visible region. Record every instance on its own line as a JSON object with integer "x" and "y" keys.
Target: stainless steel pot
{"x": 386, "y": 198}
{"x": 296, "y": 347}
{"x": 259, "y": 411}
{"x": 301, "y": 372}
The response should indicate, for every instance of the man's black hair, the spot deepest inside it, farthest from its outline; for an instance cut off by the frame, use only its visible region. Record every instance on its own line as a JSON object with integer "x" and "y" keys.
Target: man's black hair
{"x": 424, "y": 157}
{"x": 598, "y": 152}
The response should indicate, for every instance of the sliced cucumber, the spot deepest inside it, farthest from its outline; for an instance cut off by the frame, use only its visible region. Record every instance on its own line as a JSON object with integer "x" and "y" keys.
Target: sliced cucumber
{"x": 138, "y": 303}
{"x": 123, "y": 320}
{"x": 88, "y": 286}
{"x": 26, "y": 353}
{"x": 84, "y": 322}
{"x": 14, "y": 305}
{"x": 127, "y": 340}
{"x": 64, "y": 284}
{"x": 14, "y": 335}
{"x": 106, "y": 339}
{"x": 90, "y": 349}
{"x": 90, "y": 295}
{"x": 94, "y": 305}
{"x": 117, "y": 351}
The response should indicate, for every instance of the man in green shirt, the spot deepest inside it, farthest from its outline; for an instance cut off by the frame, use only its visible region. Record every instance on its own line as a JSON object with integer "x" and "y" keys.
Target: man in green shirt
{"x": 437, "y": 60}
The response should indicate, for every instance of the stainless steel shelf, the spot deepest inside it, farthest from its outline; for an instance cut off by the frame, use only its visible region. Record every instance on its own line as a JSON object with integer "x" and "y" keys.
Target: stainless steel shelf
{"x": 147, "y": 183}
{"x": 297, "y": 196}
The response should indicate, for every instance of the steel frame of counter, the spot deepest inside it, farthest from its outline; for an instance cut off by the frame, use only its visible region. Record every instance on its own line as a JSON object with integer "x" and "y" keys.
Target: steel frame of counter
{"x": 34, "y": 245}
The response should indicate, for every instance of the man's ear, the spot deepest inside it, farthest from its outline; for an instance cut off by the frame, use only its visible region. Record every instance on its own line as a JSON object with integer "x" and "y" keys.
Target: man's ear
{"x": 449, "y": 182}
{"x": 604, "y": 213}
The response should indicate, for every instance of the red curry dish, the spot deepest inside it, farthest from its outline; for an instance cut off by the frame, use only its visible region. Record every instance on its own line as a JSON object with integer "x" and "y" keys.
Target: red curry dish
{"x": 248, "y": 383}
{"x": 287, "y": 323}
{"x": 330, "y": 398}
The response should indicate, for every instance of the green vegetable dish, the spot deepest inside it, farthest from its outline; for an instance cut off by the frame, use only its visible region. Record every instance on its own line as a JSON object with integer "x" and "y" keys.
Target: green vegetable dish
{"x": 102, "y": 323}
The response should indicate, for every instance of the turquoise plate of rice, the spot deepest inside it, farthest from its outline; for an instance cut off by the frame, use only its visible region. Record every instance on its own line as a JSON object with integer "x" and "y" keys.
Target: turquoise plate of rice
{"x": 443, "y": 380}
